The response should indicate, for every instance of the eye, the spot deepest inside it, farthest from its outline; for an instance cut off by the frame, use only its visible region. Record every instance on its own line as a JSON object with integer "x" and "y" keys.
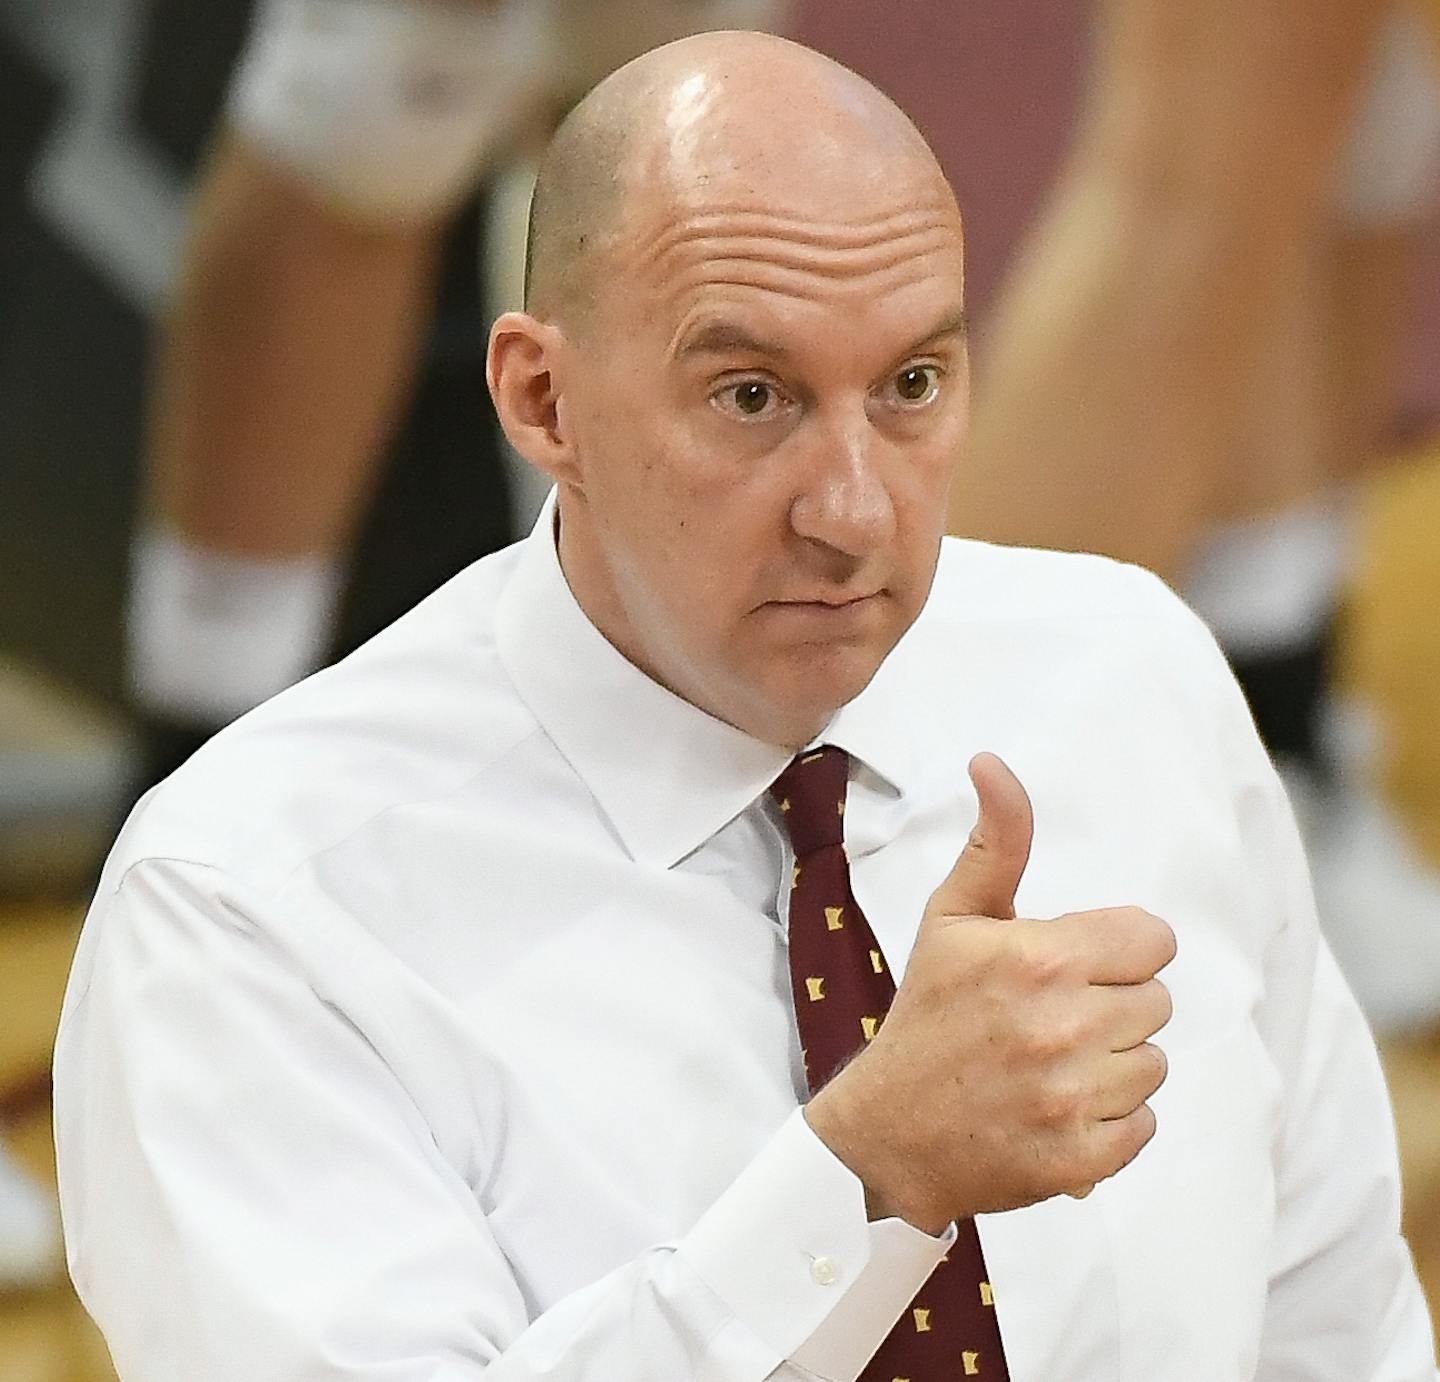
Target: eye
{"x": 917, "y": 384}
{"x": 749, "y": 399}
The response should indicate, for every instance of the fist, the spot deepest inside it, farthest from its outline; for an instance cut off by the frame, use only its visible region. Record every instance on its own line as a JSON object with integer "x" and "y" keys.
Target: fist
{"x": 1015, "y": 1063}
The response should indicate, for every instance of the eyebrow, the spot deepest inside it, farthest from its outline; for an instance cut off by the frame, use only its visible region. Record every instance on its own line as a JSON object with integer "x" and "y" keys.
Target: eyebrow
{"x": 954, "y": 323}
{"x": 721, "y": 336}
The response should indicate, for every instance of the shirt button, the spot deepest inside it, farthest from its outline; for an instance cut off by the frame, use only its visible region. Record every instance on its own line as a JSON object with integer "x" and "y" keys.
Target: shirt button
{"x": 825, "y": 1271}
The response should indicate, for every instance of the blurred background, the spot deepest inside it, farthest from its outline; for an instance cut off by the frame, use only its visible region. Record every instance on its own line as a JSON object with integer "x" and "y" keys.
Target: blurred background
{"x": 243, "y": 421}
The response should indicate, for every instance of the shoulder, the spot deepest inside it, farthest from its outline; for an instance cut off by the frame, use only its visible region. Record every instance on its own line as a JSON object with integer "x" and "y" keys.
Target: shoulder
{"x": 1093, "y": 597}
{"x": 417, "y": 712}
{"x": 985, "y": 581}
{"x": 1089, "y": 619}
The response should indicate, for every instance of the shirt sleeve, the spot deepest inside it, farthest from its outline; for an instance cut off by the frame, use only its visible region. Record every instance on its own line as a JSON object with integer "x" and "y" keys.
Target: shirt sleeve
{"x": 248, "y": 1192}
{"x": 1344, "y": 1299}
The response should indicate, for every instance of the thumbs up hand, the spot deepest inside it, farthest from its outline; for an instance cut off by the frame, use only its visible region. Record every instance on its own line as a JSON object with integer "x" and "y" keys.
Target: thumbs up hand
{"x": 1015, "y": 1062}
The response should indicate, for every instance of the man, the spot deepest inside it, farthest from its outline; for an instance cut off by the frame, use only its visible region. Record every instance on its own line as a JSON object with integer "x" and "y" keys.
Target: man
{"x": 503, "y": 1002}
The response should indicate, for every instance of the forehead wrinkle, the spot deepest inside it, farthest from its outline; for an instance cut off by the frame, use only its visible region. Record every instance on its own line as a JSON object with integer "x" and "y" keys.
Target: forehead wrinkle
{"x": 841, "y": 264}
{"x": 795, "y": 285}
{"x": 803, "y": 230}
{"x": 738, "y": 265}
{"x": 689, "y": 260}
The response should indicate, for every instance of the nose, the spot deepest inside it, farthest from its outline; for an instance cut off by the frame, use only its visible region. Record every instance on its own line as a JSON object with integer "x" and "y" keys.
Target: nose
{"x": 845, "y": 503}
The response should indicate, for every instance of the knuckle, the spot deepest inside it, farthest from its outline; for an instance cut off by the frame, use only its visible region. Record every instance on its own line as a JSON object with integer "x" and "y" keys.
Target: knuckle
{"x": 1058, "y": 1103}
{"x": 1047, "y": 1042}
{"x": 1043, "y": 964}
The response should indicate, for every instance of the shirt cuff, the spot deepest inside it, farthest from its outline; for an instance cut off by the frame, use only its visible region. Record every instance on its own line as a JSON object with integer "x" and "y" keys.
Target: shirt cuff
{"x": 790, "y": 1252}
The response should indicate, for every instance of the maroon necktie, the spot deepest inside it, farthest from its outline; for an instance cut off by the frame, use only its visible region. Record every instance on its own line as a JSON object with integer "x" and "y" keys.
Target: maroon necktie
{"x": 842, "y": 993}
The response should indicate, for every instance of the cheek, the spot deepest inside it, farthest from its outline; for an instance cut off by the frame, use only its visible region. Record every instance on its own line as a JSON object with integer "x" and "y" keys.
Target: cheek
{"x": 921, "y": 478}
{"x": 705, "y": 560}
{"x": 935, "y": 465}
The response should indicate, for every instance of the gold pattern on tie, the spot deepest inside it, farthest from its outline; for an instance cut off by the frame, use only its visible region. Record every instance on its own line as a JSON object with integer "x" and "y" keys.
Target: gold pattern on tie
{"x": 834, "y": 957}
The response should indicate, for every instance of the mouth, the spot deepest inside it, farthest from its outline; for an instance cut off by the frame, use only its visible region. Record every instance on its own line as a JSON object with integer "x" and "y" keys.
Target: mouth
{"x": 826, "y": 615}
{"x": 830, "y": 602}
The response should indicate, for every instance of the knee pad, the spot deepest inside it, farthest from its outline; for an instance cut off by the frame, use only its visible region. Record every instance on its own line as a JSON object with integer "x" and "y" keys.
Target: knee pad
{"x": 388, "y": 108}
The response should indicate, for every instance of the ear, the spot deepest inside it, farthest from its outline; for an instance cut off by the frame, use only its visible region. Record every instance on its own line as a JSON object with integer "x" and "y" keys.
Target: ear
{"x": 523, "y": 369}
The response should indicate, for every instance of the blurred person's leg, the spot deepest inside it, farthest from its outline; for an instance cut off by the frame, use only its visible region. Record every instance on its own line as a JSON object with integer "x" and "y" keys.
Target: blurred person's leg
{"x": 1321, "y": 403}
{"x": 285, "y": 362}
{"x": 293, "y": 348}
{"x": 1270, "y": 569}
{"x": 1104, "y": 413}
{"x": 296, "y": 337}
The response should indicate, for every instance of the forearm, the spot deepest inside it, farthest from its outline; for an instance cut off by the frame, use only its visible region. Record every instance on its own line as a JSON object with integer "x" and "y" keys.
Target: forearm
{"x": 284, "y": 361}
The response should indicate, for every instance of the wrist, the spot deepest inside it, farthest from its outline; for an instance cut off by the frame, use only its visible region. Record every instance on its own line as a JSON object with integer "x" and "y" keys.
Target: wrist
{"x": 892, "y": 1191}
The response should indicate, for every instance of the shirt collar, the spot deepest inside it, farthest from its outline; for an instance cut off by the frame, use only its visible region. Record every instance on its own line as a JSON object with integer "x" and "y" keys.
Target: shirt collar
{"x": 667, "y": 774}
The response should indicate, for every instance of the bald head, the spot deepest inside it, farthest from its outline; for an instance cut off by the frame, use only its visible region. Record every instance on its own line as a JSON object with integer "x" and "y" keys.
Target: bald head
{"x": 717, "y": 119}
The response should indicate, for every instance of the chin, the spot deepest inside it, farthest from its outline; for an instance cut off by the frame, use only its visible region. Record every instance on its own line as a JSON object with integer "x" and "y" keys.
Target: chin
{"x": 825, "y": 682}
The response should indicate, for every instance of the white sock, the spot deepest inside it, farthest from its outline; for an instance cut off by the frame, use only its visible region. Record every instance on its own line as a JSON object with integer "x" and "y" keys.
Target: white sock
{"x": 211, "y": 635}
{"x": 1269, "y": 584}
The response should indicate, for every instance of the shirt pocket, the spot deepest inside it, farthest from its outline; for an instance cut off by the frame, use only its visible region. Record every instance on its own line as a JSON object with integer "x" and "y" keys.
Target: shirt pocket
{"x": 1190, "y": 1220}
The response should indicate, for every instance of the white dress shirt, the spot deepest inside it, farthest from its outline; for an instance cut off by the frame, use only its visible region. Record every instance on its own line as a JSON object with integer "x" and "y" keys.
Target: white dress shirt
{"x": 434, "y": 1022}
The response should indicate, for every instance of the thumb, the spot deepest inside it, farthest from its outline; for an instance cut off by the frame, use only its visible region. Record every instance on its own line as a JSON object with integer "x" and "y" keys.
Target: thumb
{"x": 988, "y": 871}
